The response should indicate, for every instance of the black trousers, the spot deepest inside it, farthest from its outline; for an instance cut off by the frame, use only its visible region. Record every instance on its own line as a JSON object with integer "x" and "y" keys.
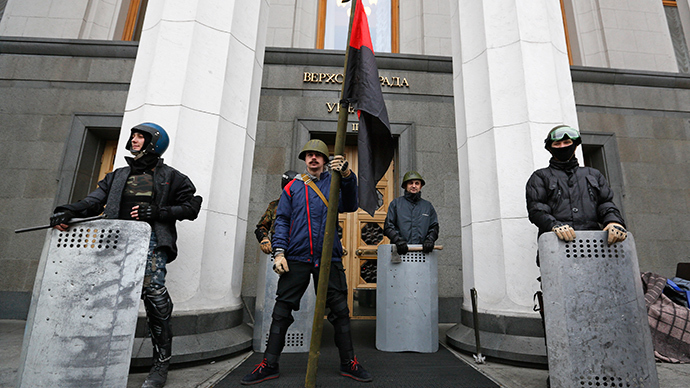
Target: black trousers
{"x": 291, "y": 288}
{"x": 293, "y": 284}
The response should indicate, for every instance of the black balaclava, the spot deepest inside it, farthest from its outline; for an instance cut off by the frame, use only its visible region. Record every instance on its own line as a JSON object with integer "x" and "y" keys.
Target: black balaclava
{"x": 563, "y": 154}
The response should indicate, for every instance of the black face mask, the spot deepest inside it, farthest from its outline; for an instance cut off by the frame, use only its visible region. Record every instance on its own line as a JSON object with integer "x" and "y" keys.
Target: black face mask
{"x": 563, "y": 154}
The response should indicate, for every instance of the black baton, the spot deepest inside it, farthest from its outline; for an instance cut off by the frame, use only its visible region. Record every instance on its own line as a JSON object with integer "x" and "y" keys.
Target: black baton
{"x": 72, "y": 221}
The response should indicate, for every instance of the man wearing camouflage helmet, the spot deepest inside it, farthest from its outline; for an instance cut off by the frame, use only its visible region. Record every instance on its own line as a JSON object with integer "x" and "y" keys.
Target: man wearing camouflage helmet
{"x": 565, "y": 197}
{"x": 411, "y": 219}
{"x": 297, "y": 244}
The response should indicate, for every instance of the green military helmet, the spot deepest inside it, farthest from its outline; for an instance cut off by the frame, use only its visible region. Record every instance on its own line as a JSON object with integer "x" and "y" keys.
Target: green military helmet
{"x": 410, "y": 175}
{"x": 314, "y": 145}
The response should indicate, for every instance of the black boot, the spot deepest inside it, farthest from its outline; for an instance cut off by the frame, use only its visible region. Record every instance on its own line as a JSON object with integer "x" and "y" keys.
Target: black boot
{"x": 158, "y": 375}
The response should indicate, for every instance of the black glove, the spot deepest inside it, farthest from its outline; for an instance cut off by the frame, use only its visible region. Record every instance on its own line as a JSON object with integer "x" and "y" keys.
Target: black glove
{"x": 428, "y": 246}
{"x": 401, "y": 246}
{"x": 148, "y": 212}
{"x": 62, "y": 217}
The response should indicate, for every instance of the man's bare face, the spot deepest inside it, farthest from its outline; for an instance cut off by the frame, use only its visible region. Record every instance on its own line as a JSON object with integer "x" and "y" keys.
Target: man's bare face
{"x": 138, "y": 141}
{"x": 413, "y": 186}
{"x": 315, "y": 162}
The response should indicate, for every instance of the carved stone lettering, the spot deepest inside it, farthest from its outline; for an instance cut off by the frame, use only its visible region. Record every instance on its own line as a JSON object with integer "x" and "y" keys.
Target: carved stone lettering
{"x": 338, "y": 78}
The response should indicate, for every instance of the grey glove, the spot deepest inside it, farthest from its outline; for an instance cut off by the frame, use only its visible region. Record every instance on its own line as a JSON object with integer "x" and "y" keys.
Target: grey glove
{"x": 281, "y": 265}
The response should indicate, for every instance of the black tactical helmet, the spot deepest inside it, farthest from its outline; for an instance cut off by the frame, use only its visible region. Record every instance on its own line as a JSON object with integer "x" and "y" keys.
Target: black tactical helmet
{"x": 315, "y": 145}
{"x": 410, "y": 175}
{"x": 560, "y": 132}
{"x": 157, "y": 140}
{"x": 287, "y": 177}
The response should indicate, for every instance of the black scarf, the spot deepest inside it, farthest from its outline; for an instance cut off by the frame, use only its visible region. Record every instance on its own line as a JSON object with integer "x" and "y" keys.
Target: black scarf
{"x": 568, "y": 166}
{"x": 142, "y": 164}
{"x": 413, "y": 197}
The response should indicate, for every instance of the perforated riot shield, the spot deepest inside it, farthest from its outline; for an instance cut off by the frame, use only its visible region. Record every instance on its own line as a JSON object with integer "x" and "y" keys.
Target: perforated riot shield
{"x": 298, "y": 336}
{"x": 83, "y": 313}
{"x": 597, "y": 333}
{"x": 406, "y": 302}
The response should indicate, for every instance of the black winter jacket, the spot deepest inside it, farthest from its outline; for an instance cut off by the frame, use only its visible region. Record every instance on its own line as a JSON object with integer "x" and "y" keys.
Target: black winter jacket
{"x": 567, "y": 193}
{"x": 412, "y": 219}
{"x": 173, "y": 193}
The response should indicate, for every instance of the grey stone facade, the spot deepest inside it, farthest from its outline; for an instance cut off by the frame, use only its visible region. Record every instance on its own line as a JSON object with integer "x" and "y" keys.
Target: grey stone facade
{"x": 649, "y": 115}
{"x": 50, "y": 91}
{"x": 56, "y": 94}
{"x": 421, "y": 116}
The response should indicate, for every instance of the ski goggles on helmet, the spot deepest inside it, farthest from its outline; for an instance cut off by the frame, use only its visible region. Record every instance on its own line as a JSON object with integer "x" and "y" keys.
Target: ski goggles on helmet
{"x": 560, "y": 132}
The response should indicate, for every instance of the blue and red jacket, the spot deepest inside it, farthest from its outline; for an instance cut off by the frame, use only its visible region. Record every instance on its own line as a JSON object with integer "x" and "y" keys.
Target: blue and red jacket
{"x": 301, "y": 218}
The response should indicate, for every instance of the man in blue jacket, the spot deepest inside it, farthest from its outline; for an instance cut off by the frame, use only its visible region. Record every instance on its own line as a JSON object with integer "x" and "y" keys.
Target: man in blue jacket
{"x": 297, "y": 244}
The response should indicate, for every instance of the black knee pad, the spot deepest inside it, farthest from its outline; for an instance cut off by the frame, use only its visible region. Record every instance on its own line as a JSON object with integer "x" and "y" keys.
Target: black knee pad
{"x": 282, "y": 319}
{"x": 159, "y": 308}
{"x": 282, "y": 313}
{"x": 339, "y": 317}
{"x": 158, "y": 303}
{"x": 338, "y": 309}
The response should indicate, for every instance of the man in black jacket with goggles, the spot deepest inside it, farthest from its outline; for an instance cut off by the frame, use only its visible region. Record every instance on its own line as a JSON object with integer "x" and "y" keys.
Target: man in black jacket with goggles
{"x": 565, "y": 197}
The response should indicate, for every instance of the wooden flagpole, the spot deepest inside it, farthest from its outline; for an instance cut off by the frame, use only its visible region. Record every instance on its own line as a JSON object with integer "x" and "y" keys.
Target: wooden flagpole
{"x": 331, "y": 220}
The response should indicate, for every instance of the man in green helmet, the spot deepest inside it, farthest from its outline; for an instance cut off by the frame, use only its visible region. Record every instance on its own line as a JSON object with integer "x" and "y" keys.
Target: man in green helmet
{"x": 297, "y": 243}
{"x": 411, "y": 219}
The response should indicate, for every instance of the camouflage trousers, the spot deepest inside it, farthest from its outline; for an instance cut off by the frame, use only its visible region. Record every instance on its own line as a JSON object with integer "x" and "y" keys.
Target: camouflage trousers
{"x": 154, "y": 276}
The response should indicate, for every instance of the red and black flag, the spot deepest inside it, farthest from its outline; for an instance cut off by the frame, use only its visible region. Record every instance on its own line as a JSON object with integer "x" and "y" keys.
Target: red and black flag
{"x": 362, "y": 90}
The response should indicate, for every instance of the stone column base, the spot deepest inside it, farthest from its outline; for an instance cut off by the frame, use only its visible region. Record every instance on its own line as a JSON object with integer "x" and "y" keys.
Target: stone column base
{"x": 502, "y": 337}
{"x": 197, "y": 337}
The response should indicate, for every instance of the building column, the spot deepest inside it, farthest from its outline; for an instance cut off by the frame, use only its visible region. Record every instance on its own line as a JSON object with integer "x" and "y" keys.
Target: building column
{"x": 198, "y": 74}
{"x": 512, "y": 84}
{"x": 684, "y": 12}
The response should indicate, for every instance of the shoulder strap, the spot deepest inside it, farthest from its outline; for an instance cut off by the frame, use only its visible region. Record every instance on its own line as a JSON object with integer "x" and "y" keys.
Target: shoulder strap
{"x": 311, "y": 184}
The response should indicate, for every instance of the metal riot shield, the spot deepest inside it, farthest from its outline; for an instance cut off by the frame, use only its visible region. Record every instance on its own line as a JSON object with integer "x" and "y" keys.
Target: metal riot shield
{"x": 597, "y": 333}
{"x": 406, "y": 302}
{"x": 298, "y": 337}
{"x": 83, "y": 313}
